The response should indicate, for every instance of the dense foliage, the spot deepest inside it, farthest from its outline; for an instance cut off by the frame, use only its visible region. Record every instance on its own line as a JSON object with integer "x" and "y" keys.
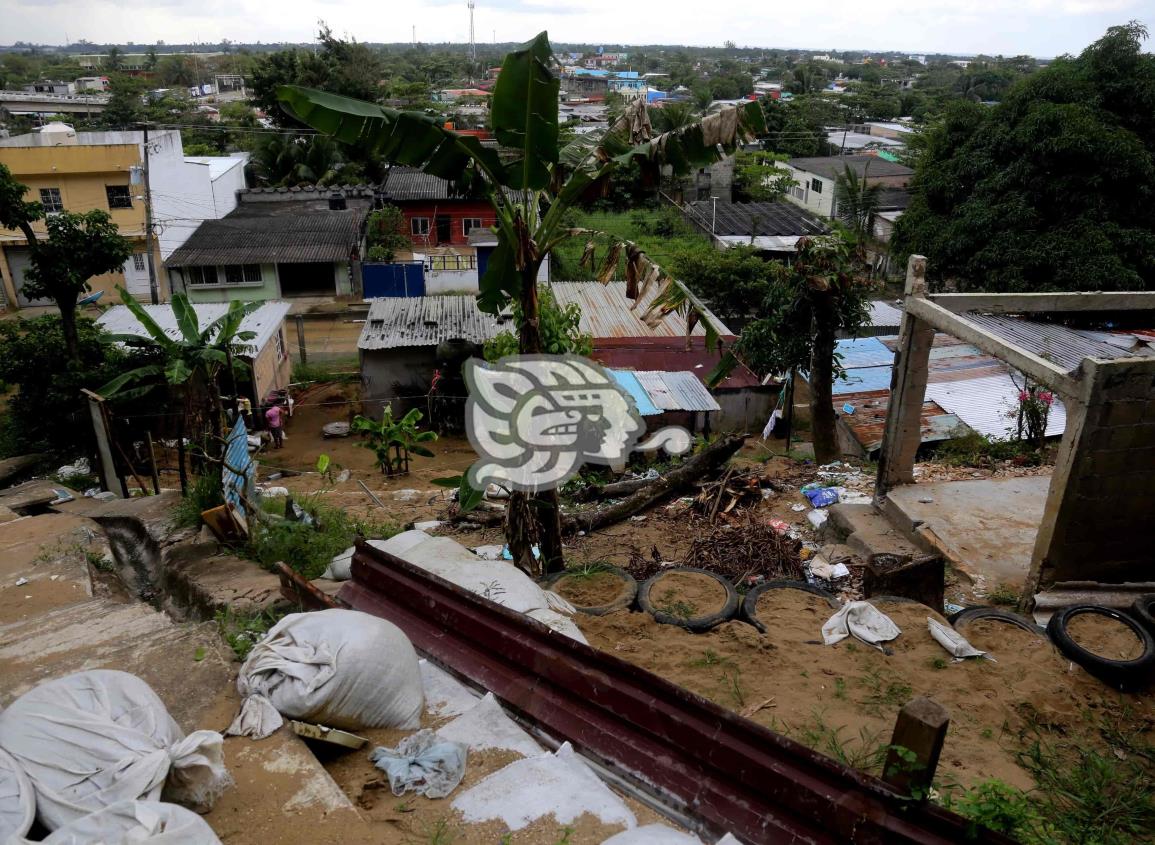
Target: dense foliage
{"x": 560, "y": 330}
{"x": 1054, "y": 188}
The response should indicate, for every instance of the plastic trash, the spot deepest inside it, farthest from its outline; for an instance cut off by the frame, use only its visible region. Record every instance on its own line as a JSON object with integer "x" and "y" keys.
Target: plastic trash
{"x": 822, "y": 497}
{"x": 428, "y": 525}
{"x": 340, "y": 568}
{"x": 20, "y": 582}
{"x": 847, "y": 408}
{"x": 274, "y": 492}
{"x": 506, "y": 554}
{"x": 952, "y": 640}
{"x": 77, "y": 468}
{"x": 817, "y": 518}
{"x": 798, "y": 507}
{"x": 779, "y": 525}
{"x": 137, "y": 822}
{"x": 340, "y": 668}
{"x": 17, "y": 800}
{"x": 423, "y": 763}
{"x": 94, "y": 739}
{"x": 862, "y": 620}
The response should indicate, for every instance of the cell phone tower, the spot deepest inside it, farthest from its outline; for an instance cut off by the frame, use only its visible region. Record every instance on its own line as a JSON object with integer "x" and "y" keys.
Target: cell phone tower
{"x": 472, "y": 43}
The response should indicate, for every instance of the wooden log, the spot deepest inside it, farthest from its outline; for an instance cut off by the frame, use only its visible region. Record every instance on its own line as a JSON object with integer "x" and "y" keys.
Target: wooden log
{"x": 612, "y": 490}
{"x": 705, "y": 463}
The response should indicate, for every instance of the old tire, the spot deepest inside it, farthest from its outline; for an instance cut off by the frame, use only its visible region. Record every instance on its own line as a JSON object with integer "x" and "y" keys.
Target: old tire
{"x": 960, "y": 620}
{"x": 621, "y": 601}
{"x": 1143, "y": 609}
{"x": 750, "y": 602}
{"x": 697, "y": 624}
{"x": 1125, "y": 675}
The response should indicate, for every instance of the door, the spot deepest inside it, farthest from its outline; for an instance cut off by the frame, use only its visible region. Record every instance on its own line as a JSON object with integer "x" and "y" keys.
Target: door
{"x": 444, "y": 228}
{"x": 19, "y": 260}
{"x": 136, "y": 276}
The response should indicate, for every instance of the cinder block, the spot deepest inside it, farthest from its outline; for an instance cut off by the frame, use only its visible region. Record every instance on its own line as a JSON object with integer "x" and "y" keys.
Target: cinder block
{"x": 1149, "y": 411}
{"x": 1123, "y": 412}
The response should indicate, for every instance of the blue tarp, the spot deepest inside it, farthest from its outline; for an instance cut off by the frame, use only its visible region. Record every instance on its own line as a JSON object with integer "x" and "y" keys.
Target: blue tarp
{"x": 629, "y": 382}
{"x": 867, "y": 362}
{"x": 237, "y": 475}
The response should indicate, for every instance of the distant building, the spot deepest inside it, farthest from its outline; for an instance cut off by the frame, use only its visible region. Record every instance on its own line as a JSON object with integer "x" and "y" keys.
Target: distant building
{"x": 51, "y": 86}
{"x": 93, "y": 83}
{"x": 770, "y": 227}
{"x": 815, "y": 178}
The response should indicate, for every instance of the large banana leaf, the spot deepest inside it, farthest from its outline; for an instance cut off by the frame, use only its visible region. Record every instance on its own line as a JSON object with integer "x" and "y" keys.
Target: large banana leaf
{"x": 704, "y": 142}
{"x": 408, "y": 138}
{"x": 524, "y": 113}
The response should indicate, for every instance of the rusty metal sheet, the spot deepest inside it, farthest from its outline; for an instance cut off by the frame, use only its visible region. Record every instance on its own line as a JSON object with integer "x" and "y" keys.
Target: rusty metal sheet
{"x": 868, "y": 422}
{"x": 677, "y": 391}
{"x": 606, "y": 312}
{"x": 726, "y": 772}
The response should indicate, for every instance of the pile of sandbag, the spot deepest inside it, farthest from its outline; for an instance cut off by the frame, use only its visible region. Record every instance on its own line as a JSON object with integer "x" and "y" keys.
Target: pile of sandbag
{"x": 341, "y": 668}
{"x": 497, "y": 581}
{"x": 93, "y": 753}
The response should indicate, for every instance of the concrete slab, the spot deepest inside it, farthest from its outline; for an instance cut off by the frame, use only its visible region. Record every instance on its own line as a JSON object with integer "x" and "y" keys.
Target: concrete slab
{"x": 986, "y": 529}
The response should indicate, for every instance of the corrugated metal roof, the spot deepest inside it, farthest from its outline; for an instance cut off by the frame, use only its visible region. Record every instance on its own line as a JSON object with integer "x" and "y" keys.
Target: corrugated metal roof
{"x": 677, "y": 391}
{"x": 1064, "y": 346}
{"x": 863, "y": 352}
{"x": 883, "y": 314}
{"x": 273, "y": 232}
{"x": 664, "y": 355}
{"x": 833, "y": 166}
{"x": 265, "y": 321}
{"x": 984, "y": 404}
{"x": 426, "y": 321}
{"x": 629, "y": 382}
{"x": 754, "y": 218}
{"x": 868, "y": 422}
{"x": 607, "y": 313}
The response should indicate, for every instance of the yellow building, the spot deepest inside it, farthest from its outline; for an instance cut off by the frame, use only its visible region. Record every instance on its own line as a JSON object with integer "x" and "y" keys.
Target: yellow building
{"x": 79, "y": 171}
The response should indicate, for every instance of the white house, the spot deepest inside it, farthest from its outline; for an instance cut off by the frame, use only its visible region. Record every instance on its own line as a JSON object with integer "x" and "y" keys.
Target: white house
{"x": 814, "y": 178}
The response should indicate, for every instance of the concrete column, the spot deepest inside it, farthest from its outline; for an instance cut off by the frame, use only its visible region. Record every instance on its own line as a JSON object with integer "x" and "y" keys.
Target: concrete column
{"x": 902, "y": 436}
{"x": 1097, "y": 523}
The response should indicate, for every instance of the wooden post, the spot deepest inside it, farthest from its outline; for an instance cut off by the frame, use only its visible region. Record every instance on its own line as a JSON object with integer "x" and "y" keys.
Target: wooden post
{"x": 152, "y": 464}
{"x": 915, "y": 746}
{"x": 300, "y": 320}
{"x": 109, "y": 476}
{"x": 903, "y": 435}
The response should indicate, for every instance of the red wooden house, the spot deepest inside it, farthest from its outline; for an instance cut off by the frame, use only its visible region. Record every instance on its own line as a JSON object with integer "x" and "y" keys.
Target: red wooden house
{"x": 435, "y": 214}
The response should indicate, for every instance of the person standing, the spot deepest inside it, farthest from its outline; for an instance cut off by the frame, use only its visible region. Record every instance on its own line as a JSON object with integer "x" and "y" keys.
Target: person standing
{"x": 274, "y": 422}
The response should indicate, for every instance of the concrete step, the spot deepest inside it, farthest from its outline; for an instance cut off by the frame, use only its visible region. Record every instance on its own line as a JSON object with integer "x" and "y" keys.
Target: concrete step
{"x": 866, "y": 532}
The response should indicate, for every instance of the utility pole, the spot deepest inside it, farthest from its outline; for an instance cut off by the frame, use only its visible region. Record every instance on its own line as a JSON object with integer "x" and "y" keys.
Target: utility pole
{"x": 153, "y": 290}
{"x": 714, "y": 219}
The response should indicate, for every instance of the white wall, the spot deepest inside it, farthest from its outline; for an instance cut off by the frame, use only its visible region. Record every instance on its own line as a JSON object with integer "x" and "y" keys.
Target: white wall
{"x": 822, "y": 203}
{"x": 443, "y": 281}
{"x": 184, "y": 193}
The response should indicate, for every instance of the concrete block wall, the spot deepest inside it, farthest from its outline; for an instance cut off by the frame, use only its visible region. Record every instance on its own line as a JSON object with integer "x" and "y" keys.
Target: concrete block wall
{"x": 1102, "y": 498}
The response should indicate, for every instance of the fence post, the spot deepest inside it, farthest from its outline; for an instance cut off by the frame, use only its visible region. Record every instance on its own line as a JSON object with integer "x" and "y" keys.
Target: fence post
{"x": 152, "y": 463}
{"x": 109, "y": 476}
{"x": 915, "y": 746}
{"x": 301, "y": 338}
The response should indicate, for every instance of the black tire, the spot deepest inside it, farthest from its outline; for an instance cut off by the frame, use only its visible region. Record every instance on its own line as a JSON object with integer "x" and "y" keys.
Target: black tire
{"x": 750, "y": 602}
{"x": 623, "y": 600}
{"x": 697, "y": 624}
{"x": 961, "y": 619}
{"x": 1143, "y": 609}
{"x": 1125, "y": 675}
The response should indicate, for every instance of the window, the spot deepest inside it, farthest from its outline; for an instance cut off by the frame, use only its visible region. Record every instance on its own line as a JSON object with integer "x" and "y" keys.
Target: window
{"x": 816, "y": 185}
{"x": 119, "y": 196}
{"x": 468, "y": 224}
{"x": 138, "y": 262}
{"x": 243, "y": 274}
{"x": 419, "y": 225}
{"x": 50, "y": 199}
{"x": 279, "y": 345}
{"x": 202, "y": 275}
{"x": 798, "y": 192}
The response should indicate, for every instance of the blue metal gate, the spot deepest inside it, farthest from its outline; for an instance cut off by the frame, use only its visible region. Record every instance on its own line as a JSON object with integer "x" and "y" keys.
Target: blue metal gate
{"x": 404, "y": 278}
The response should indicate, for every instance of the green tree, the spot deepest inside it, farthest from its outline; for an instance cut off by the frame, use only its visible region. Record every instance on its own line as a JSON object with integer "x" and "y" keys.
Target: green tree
{"x": 856, "y": 204}
{"x": 733, "y": 282}
{"x": 77, "y": 247}
{"x": 807, "y": 304}
{"x": 560, "y": 330}
{"x": 385, "y": 234}
{"x": 757, "y": 178}
{"x": 113, "y": 60}
{"x": 1052, "y": 189}
{"x": 532, "y": 184}
{"x": 287, "y": 160}
{"x": 125, "y": 107}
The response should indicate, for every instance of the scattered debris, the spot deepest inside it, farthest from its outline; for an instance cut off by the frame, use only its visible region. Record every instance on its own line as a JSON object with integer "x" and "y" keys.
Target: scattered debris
{"x": 77, "y": 469}
{"x": 428, "y": 525}
{"x": 321, "y": 733}
{"x": 335, "y": 429}
{"x": 751, "y": 709}
{"x": 423, "y": 763}
{"x": 20, "y": 582}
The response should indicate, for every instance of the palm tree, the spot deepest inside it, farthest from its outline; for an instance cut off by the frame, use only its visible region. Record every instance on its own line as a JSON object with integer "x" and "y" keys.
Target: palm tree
{"x": 856, "y": 205}
{"x": 285, "y": 160}
{"x": 672, "y": 116}
{"x": 532, "y": 182}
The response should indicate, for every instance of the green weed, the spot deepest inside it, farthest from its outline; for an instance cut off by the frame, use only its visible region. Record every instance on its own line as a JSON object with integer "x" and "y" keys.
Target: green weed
{"x": 938, "y": 663}
{"x": 865, "y": 752}
{"x": 242, "y": 631}
{"x": 589, "y": 569}
{"x": 883, "y": 695}
{"x": 840, "y": 688}
{"x": 732, "y": 678}
{"x": 203, "y": 493}
{"x": 670, "y": 604}
{"x": 709, "y": 658}
{"x": 1004, "y": 594}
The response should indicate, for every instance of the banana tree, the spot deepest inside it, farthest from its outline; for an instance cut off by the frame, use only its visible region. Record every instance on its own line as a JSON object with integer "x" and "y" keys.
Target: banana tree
{"x": 190, "y": 364}
{"x": 532, "y": 181}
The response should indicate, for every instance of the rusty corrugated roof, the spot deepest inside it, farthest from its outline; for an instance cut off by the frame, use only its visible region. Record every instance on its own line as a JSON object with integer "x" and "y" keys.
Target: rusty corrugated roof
{"x": 677, "y": 391}
{"x": 606, "y": 312}
{"x": 868, "y": 422}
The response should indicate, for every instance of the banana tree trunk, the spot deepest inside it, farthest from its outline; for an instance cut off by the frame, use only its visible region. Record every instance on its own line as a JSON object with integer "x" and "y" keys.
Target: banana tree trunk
{"x": 543, "y": 508}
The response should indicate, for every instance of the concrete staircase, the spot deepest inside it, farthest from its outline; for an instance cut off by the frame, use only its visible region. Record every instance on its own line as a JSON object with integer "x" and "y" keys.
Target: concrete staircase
{"x": 866, "y": 532}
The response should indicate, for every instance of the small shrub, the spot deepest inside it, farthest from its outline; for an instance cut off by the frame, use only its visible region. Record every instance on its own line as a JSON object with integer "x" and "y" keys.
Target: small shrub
{"x": 242, "y": 631}
{"x": 1004, "y": 594}
{"x": 997, "y": 806}
{"x": 203, "y": 493}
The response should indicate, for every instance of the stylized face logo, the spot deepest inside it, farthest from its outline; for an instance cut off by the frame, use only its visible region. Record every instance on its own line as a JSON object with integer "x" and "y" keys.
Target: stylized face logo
{"x": 535, "y": 419}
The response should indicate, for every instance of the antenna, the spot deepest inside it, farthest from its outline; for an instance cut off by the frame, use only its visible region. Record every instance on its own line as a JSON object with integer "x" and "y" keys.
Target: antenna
{"x": 472, "y": 43}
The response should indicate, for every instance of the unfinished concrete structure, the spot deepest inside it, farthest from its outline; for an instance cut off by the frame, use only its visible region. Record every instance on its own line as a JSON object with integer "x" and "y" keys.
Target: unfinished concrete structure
{"x": 1096, "y": 530}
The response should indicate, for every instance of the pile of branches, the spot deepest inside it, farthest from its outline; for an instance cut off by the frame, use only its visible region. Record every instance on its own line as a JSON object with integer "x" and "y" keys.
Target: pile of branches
{"x": 732, "y": 493}
{"x": 746, "y": 552}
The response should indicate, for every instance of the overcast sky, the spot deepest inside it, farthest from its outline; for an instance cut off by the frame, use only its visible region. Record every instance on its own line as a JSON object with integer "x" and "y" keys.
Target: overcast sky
{"x": 1037, "y": 27}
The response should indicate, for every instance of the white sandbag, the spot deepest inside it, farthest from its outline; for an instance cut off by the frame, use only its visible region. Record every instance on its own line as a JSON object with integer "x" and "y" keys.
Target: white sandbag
{"x": 652, "y": 834}
{"x": 340, "y": 568}
{"x": 342, "y": 668}
{"x": 952, "y": 640}
{"x": 150, "y": 822}
{"x": 17, "y": 800}
{"x": 487, "y": 726}
{"x": 559, "y": 784}
{"x": 93, "y": 739}
{"x": 863, "y": 620}
{"x": 499, "y": 581}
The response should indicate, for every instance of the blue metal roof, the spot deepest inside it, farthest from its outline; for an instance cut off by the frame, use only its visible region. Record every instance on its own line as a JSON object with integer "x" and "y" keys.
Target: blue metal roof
{"x": 863, "y": 352}
{"x": 628, "y": 381}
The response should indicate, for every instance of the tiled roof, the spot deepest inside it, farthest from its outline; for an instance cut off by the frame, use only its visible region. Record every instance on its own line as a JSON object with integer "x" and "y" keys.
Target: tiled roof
{"x": 273, "y": 232}
{"x": 754, "y": 218}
